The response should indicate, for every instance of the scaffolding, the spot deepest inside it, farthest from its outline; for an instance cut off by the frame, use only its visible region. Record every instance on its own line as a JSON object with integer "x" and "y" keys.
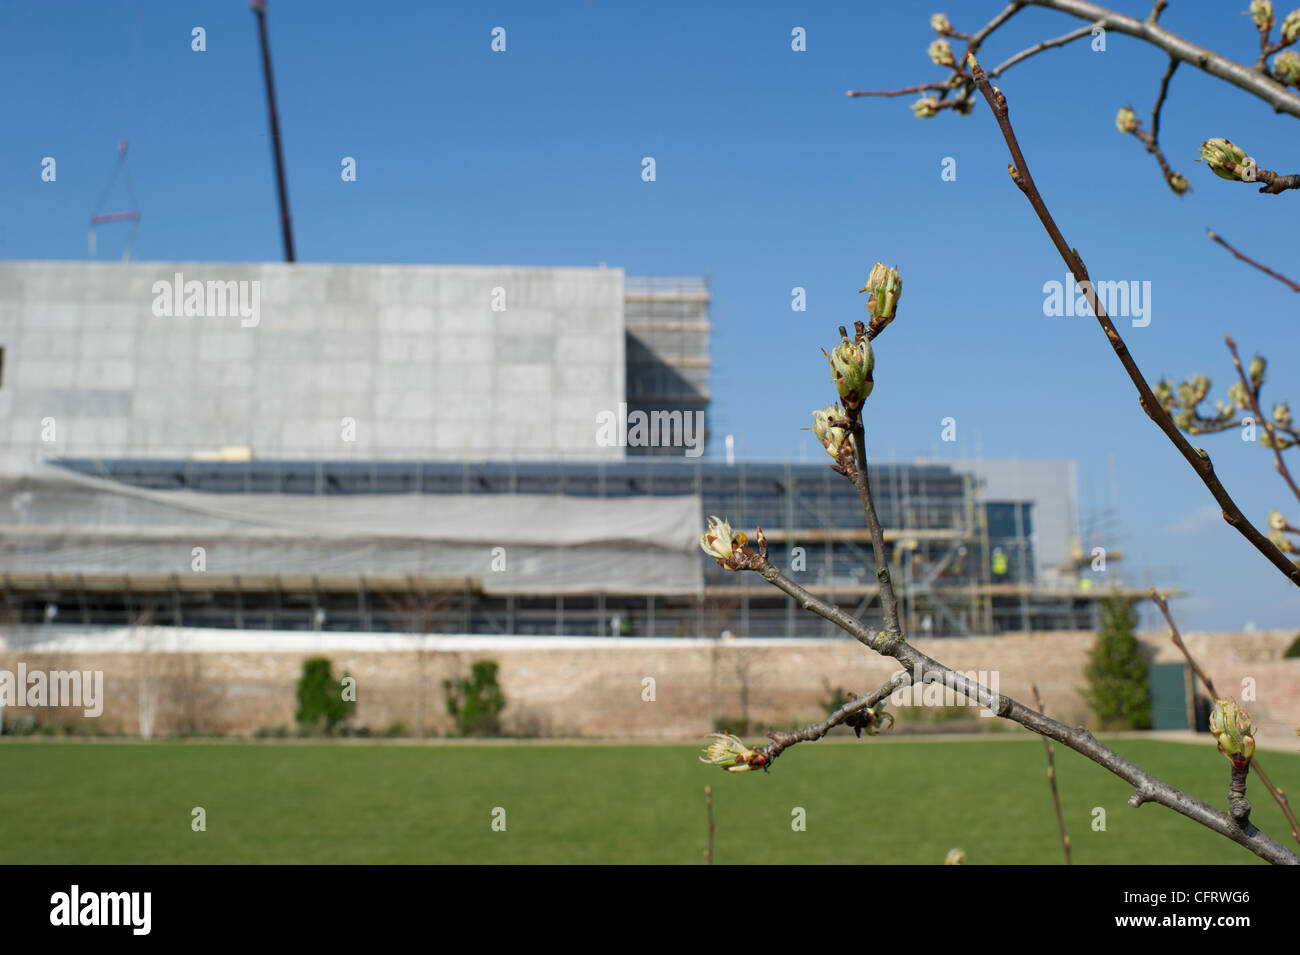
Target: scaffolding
{"x": 636, "y": 570}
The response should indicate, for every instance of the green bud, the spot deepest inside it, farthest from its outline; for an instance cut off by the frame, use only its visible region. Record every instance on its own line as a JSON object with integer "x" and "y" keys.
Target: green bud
{"x": 1276, "y": 520}
{"x": 941, "y": 53}
{"x": 831, "y": 436}
{"x": 851, "y": 367}
{"x": 1183, "y": 420}
{"x": 1256, "y": 372}
{"x": 719, "y": 541}
{"x": 1237, "y": 392}
{"x": 1125, "y": 121}
{"x": 1232, "y": 727}
{"x": 1261, "y": 11}
{"x": 732, "y": 754}
{"x": 957, "y": 857}
{"x": 885, "y": 286}
{"x": 940, "y": 25}
{"x": 1224, "y": 158}
{"x": 1282, "y": 414}
{"x": 1178, "y": 183}
{"x": 1291, "y": 27}
{"x": 1286, "y": 68}
{"x": 925, "y": 107}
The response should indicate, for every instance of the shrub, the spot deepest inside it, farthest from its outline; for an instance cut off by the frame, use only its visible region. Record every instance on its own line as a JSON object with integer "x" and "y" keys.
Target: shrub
{"x": 1118, "y": 689}
{"x": 476, "y": 703}
{"x": 321, "y": 706}
{"x": 1293, "y": 650}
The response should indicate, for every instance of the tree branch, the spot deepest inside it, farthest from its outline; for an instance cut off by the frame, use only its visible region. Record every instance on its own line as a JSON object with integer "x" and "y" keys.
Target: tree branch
{"x": 815, "y": 731}
{"x": 1280, "y": 796}
{"x": 1198, "y": 459}
{"x": 1263, "y": 268}
{"x": 1040, "y": 47}
{"x": 1051, "y": 778}
{"x": 1176, "y": 182}
{"x": 1239, "y": 75}
{"x": 923, "y": 669}
{"x": 1252, "y": 392}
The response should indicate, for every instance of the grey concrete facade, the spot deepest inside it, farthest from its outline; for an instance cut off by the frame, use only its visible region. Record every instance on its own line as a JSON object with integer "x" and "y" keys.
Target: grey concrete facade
{"x": 336, "y": 362}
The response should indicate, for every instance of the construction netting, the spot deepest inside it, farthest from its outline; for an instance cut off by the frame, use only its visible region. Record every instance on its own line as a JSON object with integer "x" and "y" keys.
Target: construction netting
{"x": 56, "y": 521}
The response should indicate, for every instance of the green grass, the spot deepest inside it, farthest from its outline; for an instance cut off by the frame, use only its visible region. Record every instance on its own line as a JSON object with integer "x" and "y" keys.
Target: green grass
{"x": 865, "y": 802}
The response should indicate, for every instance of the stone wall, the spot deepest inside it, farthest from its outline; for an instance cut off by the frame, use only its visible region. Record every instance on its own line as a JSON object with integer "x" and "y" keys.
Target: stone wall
{"x": 595, "y": 687}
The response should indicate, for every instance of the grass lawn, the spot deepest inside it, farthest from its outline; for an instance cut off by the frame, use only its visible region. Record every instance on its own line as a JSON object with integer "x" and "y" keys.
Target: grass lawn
{"x": 865, "y": 802}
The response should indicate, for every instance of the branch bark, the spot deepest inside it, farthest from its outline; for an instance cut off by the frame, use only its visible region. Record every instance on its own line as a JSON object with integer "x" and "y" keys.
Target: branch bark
{"x": 1279, "y": 462}
{"x": 1263, "y": 268}
{"x": 1051, "y": 778}
{"x": 1147, "y": 788}
{"x": 1243, "y": 77}
{"x": 1278, "y": 795}
{"x": 1197, "y": 458}
{"x": 815, "y": 731}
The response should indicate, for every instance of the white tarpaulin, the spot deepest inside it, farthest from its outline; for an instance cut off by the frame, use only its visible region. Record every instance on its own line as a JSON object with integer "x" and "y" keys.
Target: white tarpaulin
{"x": 56, "y": 521}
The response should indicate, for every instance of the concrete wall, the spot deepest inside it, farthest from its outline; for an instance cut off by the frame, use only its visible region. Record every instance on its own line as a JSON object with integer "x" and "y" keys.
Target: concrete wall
{"x": 594, "y": 687}
{"x": 416, "y": 355}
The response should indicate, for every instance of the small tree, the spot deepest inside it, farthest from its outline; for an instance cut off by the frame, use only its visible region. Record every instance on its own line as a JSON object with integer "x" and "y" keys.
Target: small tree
{"x": 321, "y": 705}
{"x": 1118, "y": 688}
{"x": 476, "y": 703}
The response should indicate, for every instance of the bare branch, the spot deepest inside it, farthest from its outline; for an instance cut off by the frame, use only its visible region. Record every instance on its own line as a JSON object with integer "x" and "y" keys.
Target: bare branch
{"x": 815, "y": 731}
{"x": 1252, "y": 392}
{"x": 1249, "y": 261}
{"x": 708, "y": 808}
{"x": 1051, "y": 778}
{"x": 1151, "y": 138}
{"x": 1204, "y": 677}
{"x": 918, "y": 88}
{"x": 1239, "y": 75}
{"x": 924, "y": 669}
{"x": 1197, "y": 458}
{"x": 1040, "y": 47}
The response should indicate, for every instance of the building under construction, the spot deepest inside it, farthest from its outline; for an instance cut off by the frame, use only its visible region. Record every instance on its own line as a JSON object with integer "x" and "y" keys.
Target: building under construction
{"x": 421, "y": 449}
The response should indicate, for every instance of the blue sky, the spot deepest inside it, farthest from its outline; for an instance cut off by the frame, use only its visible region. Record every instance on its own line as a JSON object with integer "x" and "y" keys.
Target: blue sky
{"x": 767, "y": 178}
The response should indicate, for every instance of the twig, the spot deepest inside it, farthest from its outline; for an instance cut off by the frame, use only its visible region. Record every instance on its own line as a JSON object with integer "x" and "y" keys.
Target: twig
{"x": 1295, "y": 287}
{"x": 708, "y": 806}
{"x": 1147, "y": 788}
{"x": 1254, "y": 81}
{"x": 1276, "y": 183}
{"x": 815, "y": 731}
{"x": 1152, "y": 139}
{"x": 888, "y": 600}
{"x": 1252, "y": 392}
{"x": 1040, "y": 47}
{"x": 1198, "y": 459}
{"x": 1051, "y": 778}
{"x": 918, "y": 88}
{"x": 1204, "y": 677}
